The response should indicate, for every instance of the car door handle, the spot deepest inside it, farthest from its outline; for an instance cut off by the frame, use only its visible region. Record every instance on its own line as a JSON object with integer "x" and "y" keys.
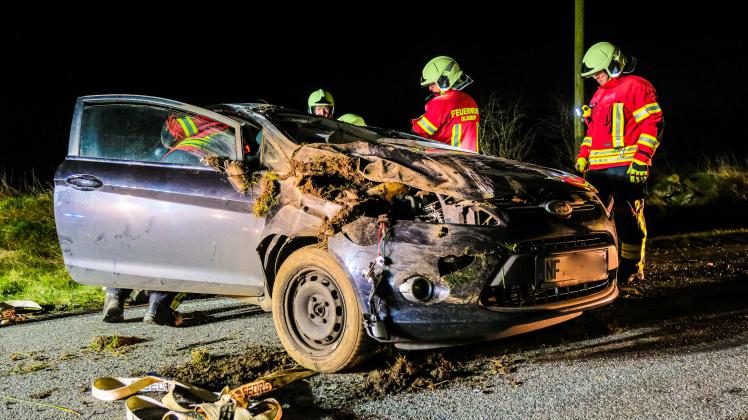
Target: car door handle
{"x": 84, "y": 182}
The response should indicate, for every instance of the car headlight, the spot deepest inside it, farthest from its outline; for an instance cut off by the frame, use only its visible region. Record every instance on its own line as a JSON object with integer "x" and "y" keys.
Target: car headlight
{"x": 417, "y": 289}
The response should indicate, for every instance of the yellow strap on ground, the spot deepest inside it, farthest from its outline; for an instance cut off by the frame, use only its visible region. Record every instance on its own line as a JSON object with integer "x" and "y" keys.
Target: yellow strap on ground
{"x": 268, "y": 383}
{"x": 205, "y": 402}
{"x": 268, "y": 409}
{"x": 110, "y": 389}
{"x": 145, "y": 408}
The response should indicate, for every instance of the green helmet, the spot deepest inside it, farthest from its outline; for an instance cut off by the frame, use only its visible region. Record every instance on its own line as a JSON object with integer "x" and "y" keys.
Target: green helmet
{"x": 320, "y": 97}
{"x": 443, "y": 71}
{"x": 604, "y": 56}
{"x": 352, "y": 119}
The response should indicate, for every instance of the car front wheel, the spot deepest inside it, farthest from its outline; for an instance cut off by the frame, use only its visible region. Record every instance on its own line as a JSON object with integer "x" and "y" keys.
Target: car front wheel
{"x": 316, "y": 313}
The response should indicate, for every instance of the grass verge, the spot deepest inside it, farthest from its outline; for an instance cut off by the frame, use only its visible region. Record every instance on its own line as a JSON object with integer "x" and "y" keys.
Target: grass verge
{"x": 700, "y": 239}
{"x": 31, "y": 264}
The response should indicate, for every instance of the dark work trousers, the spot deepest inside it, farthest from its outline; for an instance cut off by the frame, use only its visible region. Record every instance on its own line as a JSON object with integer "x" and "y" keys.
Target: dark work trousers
{"x": 169, "y": 300}
{"x": 628, "y": 214}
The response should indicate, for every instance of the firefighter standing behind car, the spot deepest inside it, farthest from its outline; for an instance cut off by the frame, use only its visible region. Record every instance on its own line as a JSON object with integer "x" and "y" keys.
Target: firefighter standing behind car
{"x": 451, "y": 116}
{"x": 616, "y": 153}
{"x": 321, "y": 103}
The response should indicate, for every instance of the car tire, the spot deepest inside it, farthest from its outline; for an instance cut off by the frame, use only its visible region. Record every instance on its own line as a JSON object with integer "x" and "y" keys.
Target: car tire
{"x": 316, "y": 312}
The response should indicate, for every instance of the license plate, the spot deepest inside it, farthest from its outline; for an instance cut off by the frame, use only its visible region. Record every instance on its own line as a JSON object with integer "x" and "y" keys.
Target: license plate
{"x": 573, "y": 268}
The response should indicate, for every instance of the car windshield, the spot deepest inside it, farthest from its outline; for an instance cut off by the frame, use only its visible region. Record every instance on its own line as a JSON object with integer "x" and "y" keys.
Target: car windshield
{"x": 304, "y": 129}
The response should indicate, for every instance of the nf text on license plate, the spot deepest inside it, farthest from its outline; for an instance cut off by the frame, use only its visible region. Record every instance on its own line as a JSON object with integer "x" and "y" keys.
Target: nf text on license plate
{"x": 578, "y": 267}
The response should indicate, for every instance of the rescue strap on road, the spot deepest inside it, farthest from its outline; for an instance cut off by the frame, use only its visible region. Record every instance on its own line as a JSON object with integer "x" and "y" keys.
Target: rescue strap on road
{"x": 14, "y": 311}
{"x": 237, "y": 403}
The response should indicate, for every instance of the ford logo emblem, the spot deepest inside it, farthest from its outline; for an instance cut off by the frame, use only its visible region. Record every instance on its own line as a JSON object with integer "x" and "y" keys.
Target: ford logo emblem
{"x": 561, "y": 209}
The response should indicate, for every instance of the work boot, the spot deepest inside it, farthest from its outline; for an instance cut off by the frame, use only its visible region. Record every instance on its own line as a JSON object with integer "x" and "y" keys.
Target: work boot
{"x": 628, "y": 272}
{"x": 163, "y": 317}
{"x": 159, "y": 310}
{"x": 636, "y": 277}
{"x": 114, "y": 308}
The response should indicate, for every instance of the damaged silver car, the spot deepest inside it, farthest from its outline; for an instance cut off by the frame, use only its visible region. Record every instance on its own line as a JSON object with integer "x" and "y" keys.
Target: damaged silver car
{"x": 351, "y": 235}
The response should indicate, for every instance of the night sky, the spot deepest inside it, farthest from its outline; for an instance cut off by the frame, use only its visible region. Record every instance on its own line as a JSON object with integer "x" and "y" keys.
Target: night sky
{"x": 370, "y": 57}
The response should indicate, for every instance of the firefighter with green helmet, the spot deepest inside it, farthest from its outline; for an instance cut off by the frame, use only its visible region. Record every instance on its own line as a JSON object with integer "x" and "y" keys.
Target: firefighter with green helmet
{"x": 321, "y": 103}
{"x": 451, "y": 116}
{"x": 624, "y": 127}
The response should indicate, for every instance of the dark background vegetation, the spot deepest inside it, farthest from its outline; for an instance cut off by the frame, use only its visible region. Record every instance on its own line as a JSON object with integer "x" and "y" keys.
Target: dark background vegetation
{"x": 370, "y": 56}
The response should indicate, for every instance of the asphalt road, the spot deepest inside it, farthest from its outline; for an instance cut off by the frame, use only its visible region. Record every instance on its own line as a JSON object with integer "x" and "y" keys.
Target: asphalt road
{"x": 674, "y": 347}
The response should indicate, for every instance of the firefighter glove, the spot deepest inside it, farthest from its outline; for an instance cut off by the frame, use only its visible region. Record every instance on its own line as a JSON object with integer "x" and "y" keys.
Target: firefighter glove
{"x": 638, "y": 172}
{"x": 582, "y": 165}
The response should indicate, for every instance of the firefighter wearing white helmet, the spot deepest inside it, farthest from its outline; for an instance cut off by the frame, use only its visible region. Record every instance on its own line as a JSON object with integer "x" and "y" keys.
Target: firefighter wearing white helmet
{"x": 321, "y": 103}
{"x": 451, "y": 116}
{"x": 623, "y": 132}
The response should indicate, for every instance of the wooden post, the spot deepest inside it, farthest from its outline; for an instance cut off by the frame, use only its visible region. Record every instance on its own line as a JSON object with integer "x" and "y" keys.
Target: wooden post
{"x": 578, "y": 81}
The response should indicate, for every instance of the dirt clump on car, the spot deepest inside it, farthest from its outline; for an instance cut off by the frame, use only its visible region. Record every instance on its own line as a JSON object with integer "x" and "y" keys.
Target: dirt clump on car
{"x": 234, "y": 170}
{"x": 216, "y": 371}
{"x": 333, "y": 169}
{"x": 239, "y": 177}
{"x": 268, "y": 197}
{"x": 333, "y": 224}
{"x": 337, "y": 178}
{"x": 334, "y": 178}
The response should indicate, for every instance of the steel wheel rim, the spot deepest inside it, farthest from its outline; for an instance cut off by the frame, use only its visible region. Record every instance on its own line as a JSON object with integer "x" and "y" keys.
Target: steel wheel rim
{"x": 316, "y": 311}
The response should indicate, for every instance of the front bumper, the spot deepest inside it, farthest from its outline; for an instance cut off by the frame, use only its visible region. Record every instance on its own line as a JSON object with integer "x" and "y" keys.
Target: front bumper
{"x": 465, "y": 313}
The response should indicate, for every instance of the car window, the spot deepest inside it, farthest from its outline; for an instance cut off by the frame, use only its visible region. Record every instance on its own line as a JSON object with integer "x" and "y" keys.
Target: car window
{"x": 152, "y": 134}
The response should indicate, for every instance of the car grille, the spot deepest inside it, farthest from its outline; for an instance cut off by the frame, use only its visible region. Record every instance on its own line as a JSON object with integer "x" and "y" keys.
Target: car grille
{"x": 566, "y": 243}
{"x": 521, "y": 296}
{"x": 521, "y": 290}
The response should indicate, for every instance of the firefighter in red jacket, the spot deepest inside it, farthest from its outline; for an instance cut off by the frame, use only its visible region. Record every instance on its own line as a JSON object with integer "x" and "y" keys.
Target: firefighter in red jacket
{"x": 451, "y": 116}
{"x": 622, "y": 136}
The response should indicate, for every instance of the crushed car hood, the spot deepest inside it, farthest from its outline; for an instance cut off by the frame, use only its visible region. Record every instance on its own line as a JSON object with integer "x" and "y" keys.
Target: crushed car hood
{"x": 446, "y": 170}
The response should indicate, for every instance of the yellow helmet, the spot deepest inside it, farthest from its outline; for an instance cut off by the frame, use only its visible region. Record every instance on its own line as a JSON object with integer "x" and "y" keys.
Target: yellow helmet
{"x": 320, "y": 97}
{"x": 352, "y": 119}
{"x": 606, "y": 56}
{"x": 445, "y": 72}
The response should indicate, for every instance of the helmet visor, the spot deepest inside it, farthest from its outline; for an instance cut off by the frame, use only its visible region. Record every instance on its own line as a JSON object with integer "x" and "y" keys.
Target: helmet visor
{"x": 588, "y": 71}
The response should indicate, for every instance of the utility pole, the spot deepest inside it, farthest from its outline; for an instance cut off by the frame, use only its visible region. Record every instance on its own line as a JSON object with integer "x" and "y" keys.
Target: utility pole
{"x": 578, "y": 82}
